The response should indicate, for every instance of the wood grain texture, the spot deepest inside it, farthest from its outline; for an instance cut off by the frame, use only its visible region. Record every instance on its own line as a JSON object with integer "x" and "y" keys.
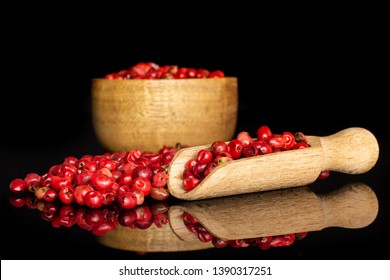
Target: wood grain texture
{"x": 152, "y": 239}
{"x": 278, "y": 212}
{"x": 148, "y": 114}
{"x": 353, "y": 150}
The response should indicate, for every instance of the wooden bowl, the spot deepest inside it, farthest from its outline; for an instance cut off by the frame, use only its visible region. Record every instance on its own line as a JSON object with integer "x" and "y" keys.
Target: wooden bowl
{"x": 150, "y": 240}
{"x": 148, "y": 114}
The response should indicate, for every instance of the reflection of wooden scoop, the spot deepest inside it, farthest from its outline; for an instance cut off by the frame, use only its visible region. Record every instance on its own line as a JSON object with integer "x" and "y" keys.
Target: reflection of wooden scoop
{"x": 152, "y": 239}
{"x": 278, "y": 212}
{"x": 354, "y": 150}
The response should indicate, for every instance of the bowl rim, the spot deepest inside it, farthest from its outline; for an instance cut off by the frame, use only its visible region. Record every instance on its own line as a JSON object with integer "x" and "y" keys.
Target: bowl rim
{"x": 166, "y": 80}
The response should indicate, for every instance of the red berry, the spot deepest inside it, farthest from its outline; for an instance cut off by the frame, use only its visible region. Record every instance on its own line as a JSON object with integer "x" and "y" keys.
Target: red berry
{"x": 80, "y": 191}
{"x": 143, "y": 172}
{"x": 57, "y": 183}
{"x": 167, "y": 157}
{"x": 289, "y": 141}
{"x": 262, "y": 146}
{"x": 111, "y": 76}
{"x": 144, "y": 217}
{"x": 210, "y": 168}
{"x": 250, "y": 151}
{"x": 54, "y": 169}
{"x": 154, "y": 158}
{"x": 142, "y": 161}
{"x": 71, "y": 159}
{"x": 277, "y": 141}
{"x": 133, "y": 155}
{"x": 205, "y": 236}
{"x": 32, "y": 181}
{"x": 264, "y": 243}
{"x": 190, "y": 183}
{"x": 219, "y": 147}
{"x": 100, "y": 181}
{"x": 159, "y": 207}
{"x": 109, "y": 196}
{"x": 187, "y": 173}
{"x": 128, "y": 167}
{"x": 216, "y": 74}
{"x": 289, "y": 239}
{"x": 159, "y": 193}
{"x": 125, "y": 179}
{"x": 191, "y": 164}
{"x": 160, "y": 220}
{"x": 17, "y": 185}
{"x": 237, "y": 243}
{"x": 300, "y": 145}
{"x": 263, "y": 133}
{"x": 191, "y": 228}
{"x": 152, "y": 70}
{"x": 219, "y": 243}
{"x": 68, "y": 169}
{"x": 93, "y": 199}
{"x": 235, "y": 148}
{"x": 18, "y": 200}
{"x": 142, "y": 184}
{"x": 191, "y": 73}
{"x": 84, "y": 177}
{"x": 108, "y": 163}
{"x": 67, "y": 214}
{"x": 80, "y": 218}
{"x": 94, "y": 217}
{"x": 160, "y": 179}
{"x": 188, "y": 219}
{"x": 324, "y": 174}
{"x": 66, "y": 194}
{"x": 50, "y": 195}
{"x": 139, "y": 196}
{"x": 245, "y": 138}
{"x": 204, "y": 156}
{"x": 300, "y": 235}
{"x": 103, "y": 228}
{"x": 181, "y": 73}
{"x": 202, "y": 73}
{"x": 127, "y": 217}
{"x": 122, "y": 188}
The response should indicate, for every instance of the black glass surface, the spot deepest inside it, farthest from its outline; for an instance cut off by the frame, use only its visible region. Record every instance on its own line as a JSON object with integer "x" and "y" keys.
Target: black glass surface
{"x": 316, "y": 89}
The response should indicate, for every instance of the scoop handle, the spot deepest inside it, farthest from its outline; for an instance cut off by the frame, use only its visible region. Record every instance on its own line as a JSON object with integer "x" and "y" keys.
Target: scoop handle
{"x": 353, "y": 150}
{"x": 353, "y": 206}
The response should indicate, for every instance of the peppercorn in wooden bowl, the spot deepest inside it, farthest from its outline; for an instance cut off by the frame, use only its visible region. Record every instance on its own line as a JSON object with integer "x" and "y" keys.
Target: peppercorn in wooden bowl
{"x": 147, "y": 114}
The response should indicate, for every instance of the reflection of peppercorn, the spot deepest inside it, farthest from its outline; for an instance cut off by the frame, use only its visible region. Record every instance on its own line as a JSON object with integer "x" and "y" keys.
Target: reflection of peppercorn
{"x": 262, "y": 243}
{"x": 98, "y": 221}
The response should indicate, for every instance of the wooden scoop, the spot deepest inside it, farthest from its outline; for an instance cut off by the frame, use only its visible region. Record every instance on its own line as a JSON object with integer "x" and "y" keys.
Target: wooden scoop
{"x": 278, "y": 212}
{"x": 353, "y": 150}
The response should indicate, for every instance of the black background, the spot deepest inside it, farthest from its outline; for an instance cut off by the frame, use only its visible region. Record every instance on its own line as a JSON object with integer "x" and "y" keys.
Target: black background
{"x": 317, "y": 78}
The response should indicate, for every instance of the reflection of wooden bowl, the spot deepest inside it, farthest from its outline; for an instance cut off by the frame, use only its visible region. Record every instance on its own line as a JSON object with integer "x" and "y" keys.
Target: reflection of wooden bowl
{"x": 152, "y": 239}
{"x": 278, "y": 212}
{"x": 147, "y": 114}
